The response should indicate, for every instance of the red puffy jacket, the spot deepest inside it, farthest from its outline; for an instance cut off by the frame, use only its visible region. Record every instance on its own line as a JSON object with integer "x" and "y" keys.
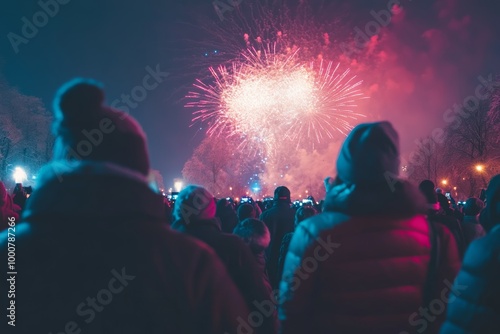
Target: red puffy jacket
{"x": 362, "y": 268}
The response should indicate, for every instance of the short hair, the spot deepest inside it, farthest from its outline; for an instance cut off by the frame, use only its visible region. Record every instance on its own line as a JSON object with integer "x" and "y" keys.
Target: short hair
{"x": 303, "y": 213}
{"x": 246, "y": 211}
{"x": 254, "y": 233}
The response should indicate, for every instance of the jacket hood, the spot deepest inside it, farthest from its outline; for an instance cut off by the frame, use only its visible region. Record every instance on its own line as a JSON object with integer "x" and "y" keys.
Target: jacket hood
{"x": 395, "y": 198}
{"x": 369, "y": 153}
{"x": 93, "y": 189}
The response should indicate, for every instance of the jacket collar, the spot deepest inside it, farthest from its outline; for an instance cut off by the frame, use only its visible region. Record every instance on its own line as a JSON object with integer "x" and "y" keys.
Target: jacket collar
{"x": 92, "y": 189}
{"x": 397, "y": 198}
{"x": 197, "y": 225}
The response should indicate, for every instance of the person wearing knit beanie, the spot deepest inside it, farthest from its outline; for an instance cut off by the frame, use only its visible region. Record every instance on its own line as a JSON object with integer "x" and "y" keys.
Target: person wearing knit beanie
{"x": 86, "y": 129}
{"x": 94, "y": 231}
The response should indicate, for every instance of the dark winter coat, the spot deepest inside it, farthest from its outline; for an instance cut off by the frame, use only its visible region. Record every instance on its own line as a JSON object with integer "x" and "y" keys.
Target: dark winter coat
{"x": 93, "y": 253}
{"x": 453, "y": 225}
{"x": 361, "y": 265}
{"x": 475, "y": 303}
{"x": 280, "y": 221}
{"x": 472, "y": 230}
{"x": 241, "y": 266}
{"x": 285, "y": 244}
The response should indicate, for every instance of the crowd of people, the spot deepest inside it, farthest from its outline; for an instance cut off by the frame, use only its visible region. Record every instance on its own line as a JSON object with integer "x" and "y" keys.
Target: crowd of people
{"x": 379, "y": 255}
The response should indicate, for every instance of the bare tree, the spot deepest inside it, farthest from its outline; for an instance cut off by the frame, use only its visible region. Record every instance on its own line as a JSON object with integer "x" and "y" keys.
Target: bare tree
{"x": 471, "y": 146}
{"x": 24, "y": 130}
{"x": 427, "y": 161}
{"x": 218, "y": 165}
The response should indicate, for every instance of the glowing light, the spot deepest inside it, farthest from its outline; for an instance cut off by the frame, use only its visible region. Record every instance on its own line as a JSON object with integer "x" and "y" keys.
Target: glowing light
{"x": 270, "y": 97}
{"x": 479, "y": 168}
{"x": 178, "y": 185}
{"x": 444, "y": 182}
{"x": 19, "y": 175}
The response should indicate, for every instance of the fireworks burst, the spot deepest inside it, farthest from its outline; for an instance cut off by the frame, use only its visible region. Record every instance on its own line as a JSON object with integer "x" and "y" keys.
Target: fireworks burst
{"x": 271, "y": 98}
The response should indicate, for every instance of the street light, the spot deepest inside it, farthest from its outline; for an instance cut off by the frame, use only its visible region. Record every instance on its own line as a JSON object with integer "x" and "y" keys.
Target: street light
{"x": 480, "y": 169}
{"x": 444, "y": 182}
{"x": 19, "y": 175}
{"x": 178, "y": 185}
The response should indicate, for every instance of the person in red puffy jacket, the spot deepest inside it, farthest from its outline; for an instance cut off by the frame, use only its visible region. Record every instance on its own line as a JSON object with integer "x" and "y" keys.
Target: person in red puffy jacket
{"x": 365, "y": 264}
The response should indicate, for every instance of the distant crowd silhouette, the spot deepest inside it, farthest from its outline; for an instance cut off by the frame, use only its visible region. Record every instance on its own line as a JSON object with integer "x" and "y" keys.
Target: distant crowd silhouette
{"x": 99, "y": 250}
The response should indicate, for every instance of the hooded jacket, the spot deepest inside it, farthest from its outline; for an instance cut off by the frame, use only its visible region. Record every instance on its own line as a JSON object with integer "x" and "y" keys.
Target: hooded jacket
{"x": 280, "y": 221}
{"x": 361, "y": 265}
{"x": 94, "y": 253}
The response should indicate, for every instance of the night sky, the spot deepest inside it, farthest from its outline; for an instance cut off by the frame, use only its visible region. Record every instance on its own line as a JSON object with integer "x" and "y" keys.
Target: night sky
{"x": 431, "y": 57}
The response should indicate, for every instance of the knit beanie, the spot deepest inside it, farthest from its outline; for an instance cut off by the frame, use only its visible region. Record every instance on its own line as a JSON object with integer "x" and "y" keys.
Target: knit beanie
{"x": 85, "y": 129}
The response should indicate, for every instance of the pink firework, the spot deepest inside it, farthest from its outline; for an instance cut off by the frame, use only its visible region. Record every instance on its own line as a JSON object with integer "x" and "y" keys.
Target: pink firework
{"x": 269, "y": 98}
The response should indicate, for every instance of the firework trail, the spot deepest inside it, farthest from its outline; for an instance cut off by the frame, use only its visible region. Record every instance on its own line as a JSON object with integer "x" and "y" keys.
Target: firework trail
{"x": 270, "y": 99}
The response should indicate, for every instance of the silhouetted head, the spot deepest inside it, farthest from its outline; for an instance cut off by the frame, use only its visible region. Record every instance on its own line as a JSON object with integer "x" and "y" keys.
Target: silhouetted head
{"x": 246, "y": 211}
{"x": 194, "y": 203}
{"x": 282, "y": 194}
{"x": 223, "y": 207}
{"x": 426, "y": 187}
{"x": 369, "y": 155}
{"x": 85, "y": 129}
{"x": 254, "y": 233}
{"x": 303, "y": 213}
